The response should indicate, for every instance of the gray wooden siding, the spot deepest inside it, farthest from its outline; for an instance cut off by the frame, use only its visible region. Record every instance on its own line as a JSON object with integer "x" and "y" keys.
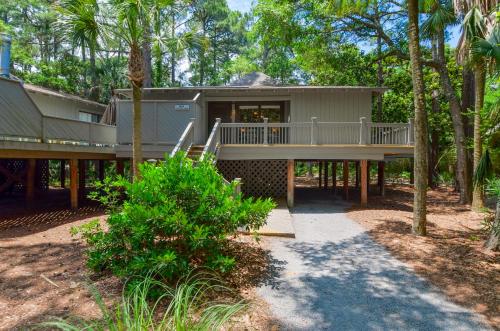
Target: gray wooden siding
{"x": 19, "y": 116}
{"x": 330, "y": 106}
{"x": 161, "y": 123}
{"x": 63, "y": 108}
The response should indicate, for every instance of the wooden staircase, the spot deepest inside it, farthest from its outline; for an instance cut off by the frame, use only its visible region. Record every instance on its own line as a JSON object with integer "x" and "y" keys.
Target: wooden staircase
{"x": 195, "y": 151}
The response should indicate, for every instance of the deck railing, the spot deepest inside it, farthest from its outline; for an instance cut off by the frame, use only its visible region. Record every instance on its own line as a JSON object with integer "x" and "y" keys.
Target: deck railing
{"x": 186, "y": 140}
{"x": 57, "y": 130}
{"x": 213, "y": 142}
{"x": 62, "y": 130}
{"x": 317, "y": 133}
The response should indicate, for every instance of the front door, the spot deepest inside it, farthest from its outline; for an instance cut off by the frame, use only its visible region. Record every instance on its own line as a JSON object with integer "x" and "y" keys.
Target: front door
{"x": 220, "y": 110}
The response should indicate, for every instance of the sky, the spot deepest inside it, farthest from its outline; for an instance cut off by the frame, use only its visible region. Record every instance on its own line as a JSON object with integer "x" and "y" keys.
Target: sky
{"x": 241, "y": 5}
{"x": 245, "y": 6}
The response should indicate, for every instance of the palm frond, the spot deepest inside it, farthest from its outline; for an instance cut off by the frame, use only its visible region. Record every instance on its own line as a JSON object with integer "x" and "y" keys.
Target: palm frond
{"x": 488, "y": 48}
{"x": 440, "y": 16}
{"x": 483, "y": 170}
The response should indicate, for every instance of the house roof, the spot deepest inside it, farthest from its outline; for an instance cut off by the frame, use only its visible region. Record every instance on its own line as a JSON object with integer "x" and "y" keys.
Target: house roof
{"x": 255, "y": 82}
{"x": 127, "y": 92}
{"x": 42, "y": 90}
{"x": 254, "y": 79}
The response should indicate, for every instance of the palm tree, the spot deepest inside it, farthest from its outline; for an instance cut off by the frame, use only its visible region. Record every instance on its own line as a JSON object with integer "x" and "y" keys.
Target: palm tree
{"x": 131, "y": 18}
{"x": 477, "y": 25}
{"x": 421, "y": 136}
{"x": 78, "y": 21}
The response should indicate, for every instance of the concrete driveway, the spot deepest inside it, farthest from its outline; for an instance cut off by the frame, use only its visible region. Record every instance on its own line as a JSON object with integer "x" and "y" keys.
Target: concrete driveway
{"x": 334, "y": 277}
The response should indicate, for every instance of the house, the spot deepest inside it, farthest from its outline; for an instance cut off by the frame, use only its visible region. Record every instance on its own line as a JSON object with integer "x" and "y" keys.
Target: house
{"x": 38, "y": 125}
{"x": 64, "y": 105}
{"x": 257, "y": 131}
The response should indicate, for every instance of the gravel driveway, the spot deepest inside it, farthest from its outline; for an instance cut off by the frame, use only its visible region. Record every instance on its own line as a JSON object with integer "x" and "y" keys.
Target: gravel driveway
{"x": 334, "y": 277}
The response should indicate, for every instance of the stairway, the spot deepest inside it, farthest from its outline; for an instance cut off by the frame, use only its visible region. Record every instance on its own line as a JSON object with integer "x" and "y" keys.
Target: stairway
{"x": 195, "y": 151}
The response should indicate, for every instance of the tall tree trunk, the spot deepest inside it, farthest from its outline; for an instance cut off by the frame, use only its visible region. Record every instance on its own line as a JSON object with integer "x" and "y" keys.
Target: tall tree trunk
{"x": 173, "y": 61}
{"x": 493, "y": 242}
{"x": 480, "y": 77}
{"x": 136, "y": 77}
{"x": 434, "y": 144}
{"x": 380, "y": 69}
{"x": 468, "y": 88}
{"x": 94, "y": 89}
{"x": 457, "y": 120}
{"x": 421, "y": 137}
{"x": 146, "y": 54}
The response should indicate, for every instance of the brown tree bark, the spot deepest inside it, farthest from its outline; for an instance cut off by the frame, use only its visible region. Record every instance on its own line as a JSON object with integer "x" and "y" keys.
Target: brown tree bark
{"x": 146, "y": 58}
{"x": 434, "y": 143}
{"x": 480, "y": 78}
{"x": 493, "y": 242}
{"x": 136, "y": 77}
{"x": 457, "y": 120}
{"x": 421, "y": 137}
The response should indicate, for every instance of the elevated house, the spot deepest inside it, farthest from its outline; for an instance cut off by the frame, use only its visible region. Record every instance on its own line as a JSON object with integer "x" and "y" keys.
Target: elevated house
{"x": 255, "y": 129}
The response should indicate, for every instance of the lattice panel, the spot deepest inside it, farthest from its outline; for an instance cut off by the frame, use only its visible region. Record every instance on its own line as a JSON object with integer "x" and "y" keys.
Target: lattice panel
{"x": 17, "y": 168}
{"x": 261, "y": 178}
{"x": 42, "y": 175}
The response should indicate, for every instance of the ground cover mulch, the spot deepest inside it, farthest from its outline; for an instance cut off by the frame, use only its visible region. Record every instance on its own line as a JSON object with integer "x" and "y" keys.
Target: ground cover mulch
{"x": 451, "y": 257}
{"x": 43, "y": 273}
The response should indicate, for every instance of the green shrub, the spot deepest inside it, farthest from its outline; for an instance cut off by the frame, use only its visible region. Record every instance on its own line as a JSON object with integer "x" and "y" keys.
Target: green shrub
{"x": 175, "y": 217}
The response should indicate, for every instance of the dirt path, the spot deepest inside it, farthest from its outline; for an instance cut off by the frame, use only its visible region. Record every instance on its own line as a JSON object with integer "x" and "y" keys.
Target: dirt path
{"x": 335, "y": 277}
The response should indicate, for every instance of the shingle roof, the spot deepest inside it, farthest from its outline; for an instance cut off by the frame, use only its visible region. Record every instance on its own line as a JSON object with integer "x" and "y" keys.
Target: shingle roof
{"x": 254, "y": 79}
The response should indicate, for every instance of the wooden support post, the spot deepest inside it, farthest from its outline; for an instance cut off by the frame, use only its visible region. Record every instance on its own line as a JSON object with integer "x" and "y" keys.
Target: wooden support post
{"x": 412, "y": 173}
{"x": 320, "y": 172}
{"x": 326, "y": 175}
{"x": 73, "y": 182}
{"x": 120, "y": 168}
{"x": 30, "y": 180}
{"x": 101, "y": 172}
{"x": 368, "y": 176}
{"x": 81, "y": 177}
{"x": 364, "y": 183}
{"x": 62, "y": 173}
{"x": 345, "y": 170}
{"x": 381, "y": 178}
{"x": 357, "y": 174}
{"x": 290, "y": 183}
{"x": 334, "y": 177}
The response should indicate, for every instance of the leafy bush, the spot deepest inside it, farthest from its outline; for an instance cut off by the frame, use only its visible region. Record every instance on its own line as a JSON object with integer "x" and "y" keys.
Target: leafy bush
{"x": 175, "y": 217}
{"x": 188, "y": 307}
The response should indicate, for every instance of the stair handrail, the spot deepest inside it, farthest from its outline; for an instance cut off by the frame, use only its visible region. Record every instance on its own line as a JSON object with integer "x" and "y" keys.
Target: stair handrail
{"x": 186, "y": 139}
{"x": 213, "y": 141}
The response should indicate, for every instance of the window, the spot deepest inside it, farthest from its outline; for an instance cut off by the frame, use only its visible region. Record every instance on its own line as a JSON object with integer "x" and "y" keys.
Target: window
{"x": 256, "y": 112}
{"x": 89, "y": 117}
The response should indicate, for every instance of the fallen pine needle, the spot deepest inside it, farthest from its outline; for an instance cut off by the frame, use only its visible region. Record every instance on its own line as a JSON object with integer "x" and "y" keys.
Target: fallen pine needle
{"x": 48, "y": 280}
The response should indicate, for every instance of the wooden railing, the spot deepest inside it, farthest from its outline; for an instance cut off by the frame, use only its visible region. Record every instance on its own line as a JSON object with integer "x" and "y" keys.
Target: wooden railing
{"x": 62, "y": 130}
{"x": 213, "y": 142}
{"x": 57, "y": 130}
{"x": 186, "y": 140}
{"x": 317, "y": 133}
